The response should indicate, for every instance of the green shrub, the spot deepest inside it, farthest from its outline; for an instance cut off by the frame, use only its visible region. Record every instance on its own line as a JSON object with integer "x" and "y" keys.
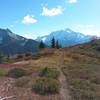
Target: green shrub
{"x": 45, "y": 86}
{"x": 20, "y": 56}
{"x": 28, "y": 54}
{"x": 79, "y": 94}
{"x": 82, "y": 84}
{"x": 95, "y": 79}
{"x": 94, "y": 43}
{"x": 48, "y": 72}
{"x": 97, "y": 48}
{"x": 36, "y": 56}
{"x": 22, "y": 82}
{"x": 2, "y": 72}
{"x": 17, "y": 72}
{"x": 1, "y": 58}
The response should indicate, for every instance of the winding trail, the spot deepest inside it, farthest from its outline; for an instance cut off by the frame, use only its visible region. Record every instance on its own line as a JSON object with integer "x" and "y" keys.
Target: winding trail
{"x": 64, "y": 91}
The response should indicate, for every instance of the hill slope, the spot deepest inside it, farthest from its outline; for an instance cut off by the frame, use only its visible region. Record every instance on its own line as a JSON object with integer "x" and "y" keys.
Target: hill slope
{"x": 11, "y": 43}
{"x": 79, "y": 68}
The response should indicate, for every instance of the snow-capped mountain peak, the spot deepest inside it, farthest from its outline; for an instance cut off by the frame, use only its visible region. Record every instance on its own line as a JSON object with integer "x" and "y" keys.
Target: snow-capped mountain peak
{"x": 66, "y": 37}
{"x": 68, "y": 30}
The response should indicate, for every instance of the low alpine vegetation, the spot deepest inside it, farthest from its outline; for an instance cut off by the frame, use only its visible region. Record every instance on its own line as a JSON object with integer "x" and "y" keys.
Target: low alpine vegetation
{"x": 2, "y": 72}
{"x": 50, "y": 73}
{"x": 46, "y": 86}
{"x": 22, "y": 82}
{"x": 17, "y": 72}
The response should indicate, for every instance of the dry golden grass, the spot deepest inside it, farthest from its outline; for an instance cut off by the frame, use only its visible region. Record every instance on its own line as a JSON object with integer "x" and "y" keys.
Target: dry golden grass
{"x": 81, "y": 68}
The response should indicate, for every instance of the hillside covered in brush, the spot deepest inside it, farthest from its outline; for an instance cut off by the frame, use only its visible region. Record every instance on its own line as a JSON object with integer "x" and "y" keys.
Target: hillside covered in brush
{"x": 71, "y": 73}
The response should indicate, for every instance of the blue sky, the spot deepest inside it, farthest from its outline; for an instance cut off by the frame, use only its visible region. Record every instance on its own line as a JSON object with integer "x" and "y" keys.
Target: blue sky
{"x": 32, "y": 18}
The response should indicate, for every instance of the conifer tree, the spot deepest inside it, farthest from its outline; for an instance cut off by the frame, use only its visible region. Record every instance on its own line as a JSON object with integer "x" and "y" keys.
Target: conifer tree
{"x": 1, "y": 58}
{"x": 42, "y": 45}
{"x": 53, "y": 43}
{"x": 57, "y": 45}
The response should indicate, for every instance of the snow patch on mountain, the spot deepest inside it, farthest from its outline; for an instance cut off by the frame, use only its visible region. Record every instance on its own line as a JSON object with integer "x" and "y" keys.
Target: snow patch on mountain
{"x": 66, "y": 38}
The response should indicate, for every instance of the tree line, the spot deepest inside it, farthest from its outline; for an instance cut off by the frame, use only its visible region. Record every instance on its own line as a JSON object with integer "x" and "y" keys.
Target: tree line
{"x": 54, "y": 44}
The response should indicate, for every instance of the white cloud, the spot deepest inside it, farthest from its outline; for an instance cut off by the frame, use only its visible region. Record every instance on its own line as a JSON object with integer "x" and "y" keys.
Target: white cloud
{"x": 72, "y": 1}
{"x": 87, "y": 29}
{"x": 87, "y": 32}
{"x": 52, "y": 12}
{"x": 28, "y": 19}
{"x": 85, "y": 26}
{"x": 30, "y": 35}
{"x": 92, "y": 32}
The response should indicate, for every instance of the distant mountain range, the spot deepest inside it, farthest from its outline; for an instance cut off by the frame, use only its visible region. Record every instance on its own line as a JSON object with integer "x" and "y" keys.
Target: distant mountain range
{"x": 66, "y": 38}
{"x": 11, "y": 43}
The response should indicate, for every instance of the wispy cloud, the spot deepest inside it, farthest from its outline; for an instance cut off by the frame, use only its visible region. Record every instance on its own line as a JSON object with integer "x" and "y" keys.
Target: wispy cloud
{"x": 87, "y": 29}
{"x": 29, "y": 35}
{"x": 72, "y": 1}
{"x": 28, "y": 19}
{"x": 84, "y": 26}
{"x": 53, "y": 11}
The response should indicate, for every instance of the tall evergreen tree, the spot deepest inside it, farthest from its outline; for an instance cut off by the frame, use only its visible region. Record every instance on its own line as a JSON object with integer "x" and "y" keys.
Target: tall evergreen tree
{"x": 57, "y": 45}
{"x": 42, "y": 45}
{"x": 1, "y": 58}
{"x": 53, "y": 43}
